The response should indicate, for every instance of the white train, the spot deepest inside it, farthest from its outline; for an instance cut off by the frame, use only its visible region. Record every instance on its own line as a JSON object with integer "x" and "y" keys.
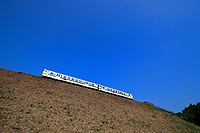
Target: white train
{"x": 66, "y": 78}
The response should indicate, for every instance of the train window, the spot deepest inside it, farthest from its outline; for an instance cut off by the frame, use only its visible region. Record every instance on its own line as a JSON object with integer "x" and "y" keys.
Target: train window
{"x": 51, "y": 73}
{"x": 64, "y": 77}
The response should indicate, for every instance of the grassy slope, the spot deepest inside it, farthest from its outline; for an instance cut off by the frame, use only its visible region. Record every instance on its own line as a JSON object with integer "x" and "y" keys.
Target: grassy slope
{"x": 34, "y": 104}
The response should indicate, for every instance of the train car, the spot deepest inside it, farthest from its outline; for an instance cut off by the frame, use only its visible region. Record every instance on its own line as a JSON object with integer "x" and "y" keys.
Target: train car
{"x": 115, "y": 92}
{"x": 70, "y": 79}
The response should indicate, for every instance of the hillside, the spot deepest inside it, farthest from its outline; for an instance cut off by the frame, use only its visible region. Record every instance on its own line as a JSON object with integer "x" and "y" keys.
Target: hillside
{"x": 35, "y": 104}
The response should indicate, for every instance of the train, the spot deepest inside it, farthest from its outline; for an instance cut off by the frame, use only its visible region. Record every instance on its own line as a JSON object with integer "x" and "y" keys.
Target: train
{"x": 77, "y": 81}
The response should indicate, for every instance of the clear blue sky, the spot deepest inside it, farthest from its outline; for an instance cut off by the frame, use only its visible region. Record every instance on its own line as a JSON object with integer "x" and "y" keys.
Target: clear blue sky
{"x": 148, "y": 48}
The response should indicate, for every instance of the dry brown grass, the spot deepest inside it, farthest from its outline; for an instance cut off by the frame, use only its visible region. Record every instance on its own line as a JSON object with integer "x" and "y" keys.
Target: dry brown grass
{"x": 34, "y": 104}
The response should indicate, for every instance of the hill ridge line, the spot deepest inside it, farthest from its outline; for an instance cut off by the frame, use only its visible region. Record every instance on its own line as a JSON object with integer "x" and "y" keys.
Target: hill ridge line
{"x": 31, "y": 104}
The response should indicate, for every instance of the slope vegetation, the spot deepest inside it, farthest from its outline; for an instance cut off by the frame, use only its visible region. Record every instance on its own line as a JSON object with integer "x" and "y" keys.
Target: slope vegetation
{"x": 35, "y": 104}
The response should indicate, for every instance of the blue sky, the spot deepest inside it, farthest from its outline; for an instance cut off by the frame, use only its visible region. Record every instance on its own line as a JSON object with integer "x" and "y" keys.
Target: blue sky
{"x": 148, "y": 48}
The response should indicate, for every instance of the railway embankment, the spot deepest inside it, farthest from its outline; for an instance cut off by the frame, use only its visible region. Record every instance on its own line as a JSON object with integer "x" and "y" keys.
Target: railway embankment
{"x": 34, "y": 104}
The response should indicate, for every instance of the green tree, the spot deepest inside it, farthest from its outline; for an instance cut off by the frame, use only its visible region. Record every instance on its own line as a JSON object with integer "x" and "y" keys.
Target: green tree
{"x": 191, "y": 113}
